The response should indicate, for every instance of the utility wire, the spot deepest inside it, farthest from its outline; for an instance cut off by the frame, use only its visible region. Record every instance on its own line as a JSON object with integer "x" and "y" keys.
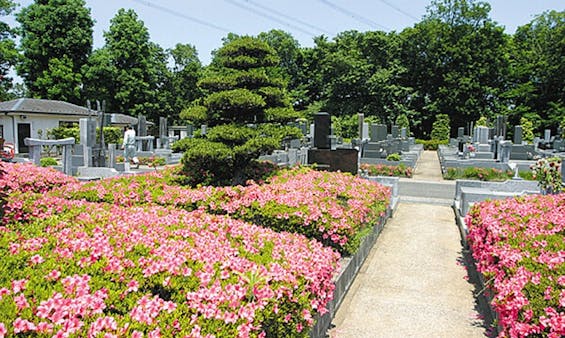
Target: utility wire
{"x": 254, "y": 3}
{"x": 183, "y": 16}
{"x": 399, "y": 10}
{"x": 270, "y": 17}
{"x": 353, "y": 15}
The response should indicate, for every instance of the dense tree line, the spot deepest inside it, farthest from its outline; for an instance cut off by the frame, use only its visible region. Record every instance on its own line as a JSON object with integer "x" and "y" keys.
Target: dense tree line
{"x": 456, "y": 61}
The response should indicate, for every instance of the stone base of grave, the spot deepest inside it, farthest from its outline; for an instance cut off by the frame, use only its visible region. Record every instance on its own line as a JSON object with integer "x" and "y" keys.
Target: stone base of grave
{"x": 344, "y": 160}
{"x": 349, "y": 268}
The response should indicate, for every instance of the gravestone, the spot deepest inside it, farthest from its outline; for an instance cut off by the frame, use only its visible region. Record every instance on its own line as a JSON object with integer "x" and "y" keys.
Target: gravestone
{"x": 87, "y": 129}
{"x": 505, "y": 151}
{"x": 394, "y": 131}
{"x": 322, "y": 125}
{"x": 189, "y": 130}
{"x": 381, "y": 132}
{"x": 501, "y": 126}
{"x": 482, "y": 135}
{"x": 141, "y": 126}
{"x": 203, "y": 129}
{"x": 460, "y": 133}
{"x": 360, "y": 126}
{"x": 403, "y": 133}
{"x": 547, "y": 135}
{"x": 518, "y": 135}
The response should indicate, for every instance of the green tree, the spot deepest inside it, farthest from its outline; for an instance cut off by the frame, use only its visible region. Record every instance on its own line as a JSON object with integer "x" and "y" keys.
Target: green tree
{"x": 129, "y": 70}
{"x": 241, "y": 87}
{"x": 181, "y": 84}
{"x": 457, "y": 61}
{"x": 537, "y": 79}
{"x": 56, "y": 41}
{"x": 8, "y": 52}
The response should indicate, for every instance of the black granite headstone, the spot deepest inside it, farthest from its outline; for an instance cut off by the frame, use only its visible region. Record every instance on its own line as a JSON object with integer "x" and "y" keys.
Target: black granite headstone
{"x": 322, "y": 127}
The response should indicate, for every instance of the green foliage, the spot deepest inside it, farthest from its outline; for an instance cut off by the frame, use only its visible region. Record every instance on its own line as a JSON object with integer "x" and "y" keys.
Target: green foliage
{"x": 481, "y": 174}
{"x": 8, "y": 51}
{"x": 547, "y": 171}
{"x": 129, "y": 72}
{"x": 481, "y": 122}
{"x": 527, "y": 129}
{"x": 393, "y": 157}
{"x": 400, "y": 170}
{"x": 441, "y": 127}
{"x": 432, "y": 144}
{"x": 47, "y": 161}
{"x": 242, "y": 87}
{"x": 403, "y": 122}
{"x": 111, "y": 134}
{"x": 56, "y": 40}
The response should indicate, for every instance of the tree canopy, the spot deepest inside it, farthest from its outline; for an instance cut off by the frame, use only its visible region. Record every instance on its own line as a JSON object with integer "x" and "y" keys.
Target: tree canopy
{"x": 56, "y": 41}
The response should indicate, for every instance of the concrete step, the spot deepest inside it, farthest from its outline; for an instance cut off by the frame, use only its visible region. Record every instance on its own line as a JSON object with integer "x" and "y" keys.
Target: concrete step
{"x": 442, "y": 190}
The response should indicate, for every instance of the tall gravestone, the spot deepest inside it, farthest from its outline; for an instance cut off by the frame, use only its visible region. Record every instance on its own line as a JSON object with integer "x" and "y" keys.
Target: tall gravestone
{"x": 322, "y": 127}
{"x": 361, "y": 121}
{"x": 547, "y": 135}
{"x": 141, "y": 126}
{"x": 518, "y": 135}
{"x": 381, "y": 132}
{"x": 394, "y": 131}
{"x": 482, "y": 135}
{"x": 500, "y": 126}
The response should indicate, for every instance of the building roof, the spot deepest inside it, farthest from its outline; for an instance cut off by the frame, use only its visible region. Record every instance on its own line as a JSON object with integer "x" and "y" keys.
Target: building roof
{"x": 39, "y": 106}
{"x": 121, "y": 119}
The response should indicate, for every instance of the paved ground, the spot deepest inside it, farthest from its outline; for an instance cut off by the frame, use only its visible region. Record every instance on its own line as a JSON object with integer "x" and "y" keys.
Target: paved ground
{"x": 413, "y": 284}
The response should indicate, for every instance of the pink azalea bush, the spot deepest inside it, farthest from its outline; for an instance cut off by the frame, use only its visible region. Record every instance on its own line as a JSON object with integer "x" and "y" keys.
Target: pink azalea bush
{"x": 26, "y": 177}
{"x": 519, "y": 247}
{"x": 334, "y": 208}
{"x": 95, "y": 269}
{"x": 139, "y": 256}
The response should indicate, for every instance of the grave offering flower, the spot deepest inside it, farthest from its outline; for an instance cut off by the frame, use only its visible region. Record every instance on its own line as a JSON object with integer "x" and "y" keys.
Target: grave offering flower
{"x": 547, "y": 171}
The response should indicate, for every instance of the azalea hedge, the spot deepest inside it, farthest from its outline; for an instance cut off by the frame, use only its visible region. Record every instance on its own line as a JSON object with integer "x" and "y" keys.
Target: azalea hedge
{"x": 141, "y": 256}
{"x": 335, "y": 208}
{"x": 519, "y": 247}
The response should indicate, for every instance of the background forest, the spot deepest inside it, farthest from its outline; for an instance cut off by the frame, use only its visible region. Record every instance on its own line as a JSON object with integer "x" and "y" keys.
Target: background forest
{"x": 456, "y": 61}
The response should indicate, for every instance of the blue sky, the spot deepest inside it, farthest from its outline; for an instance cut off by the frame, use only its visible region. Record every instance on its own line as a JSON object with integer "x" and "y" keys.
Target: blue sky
{"x": 203, "y": 23}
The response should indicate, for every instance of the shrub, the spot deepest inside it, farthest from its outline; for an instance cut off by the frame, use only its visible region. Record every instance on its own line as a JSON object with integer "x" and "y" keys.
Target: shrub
{"x": 518, "y": 247}
{"x": 47, "y": 161}
{"x": 474, "y": 173}
{"x": 400, "y": 170}
{"x": 432, "y": 144}
{"x": 527, "y": 129}
{"x": 441, "y": 127}
{"x": 547, "y": 171}
{"x": 393, "y": 157}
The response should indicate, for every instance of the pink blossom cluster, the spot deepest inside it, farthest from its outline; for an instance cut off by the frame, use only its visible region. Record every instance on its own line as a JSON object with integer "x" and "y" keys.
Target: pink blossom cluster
{"x": 24, "y": 177}
{"x": 97, "y": 269}
{"x": 519, "y": 247}
{"x": 333, "y": 208}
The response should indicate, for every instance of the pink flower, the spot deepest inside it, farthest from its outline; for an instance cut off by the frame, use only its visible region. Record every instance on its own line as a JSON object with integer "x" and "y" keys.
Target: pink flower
{"x": 23, "y": 325}
{"x": 19, "y": 285}
{"x": 3, "y": 330}
{"x": 36, "y": 259}
{"x": 21, "y": 302}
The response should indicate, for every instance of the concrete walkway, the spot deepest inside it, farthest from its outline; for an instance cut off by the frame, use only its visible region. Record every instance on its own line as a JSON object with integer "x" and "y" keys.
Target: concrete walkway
{"x": 413, "y": 283}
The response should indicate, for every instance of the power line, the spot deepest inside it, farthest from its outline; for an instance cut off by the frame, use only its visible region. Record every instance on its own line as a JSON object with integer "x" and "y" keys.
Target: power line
{"x": 270, "y": 17}
{"x": 183, "y": 16}
{"x": 353, "y": 15}
{"x": 399, "y": 10}
{"x": 287, "y": 16}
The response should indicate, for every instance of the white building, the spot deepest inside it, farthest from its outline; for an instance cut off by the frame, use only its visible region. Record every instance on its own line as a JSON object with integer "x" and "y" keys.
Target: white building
{"x": 32, "y": 118}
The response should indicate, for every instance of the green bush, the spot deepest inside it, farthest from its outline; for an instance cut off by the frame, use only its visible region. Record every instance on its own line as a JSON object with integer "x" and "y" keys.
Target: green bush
{"x": 208, "y": 163}
{"x": 432, "y": 144}
{"x": 47, "y": 161}
{"x": 441, "y": 127}
{"x": 481, "y": 174}
{"x": 111, "y": 134}
{"x": 393, "y": 157}
{"x": 527, "y": 129}
{"x": 403, "y": 122}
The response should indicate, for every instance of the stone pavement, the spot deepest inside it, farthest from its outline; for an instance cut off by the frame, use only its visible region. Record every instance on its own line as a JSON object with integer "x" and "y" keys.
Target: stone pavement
{"x": 413, "y": 283}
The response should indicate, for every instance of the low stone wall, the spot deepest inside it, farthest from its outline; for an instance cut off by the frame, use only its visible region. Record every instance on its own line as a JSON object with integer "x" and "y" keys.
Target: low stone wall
{"x": 349, "y": 268}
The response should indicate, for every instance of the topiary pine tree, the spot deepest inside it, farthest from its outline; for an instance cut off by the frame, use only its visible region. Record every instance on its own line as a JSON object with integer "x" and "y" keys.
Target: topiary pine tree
{"x": 242, "y": 87}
